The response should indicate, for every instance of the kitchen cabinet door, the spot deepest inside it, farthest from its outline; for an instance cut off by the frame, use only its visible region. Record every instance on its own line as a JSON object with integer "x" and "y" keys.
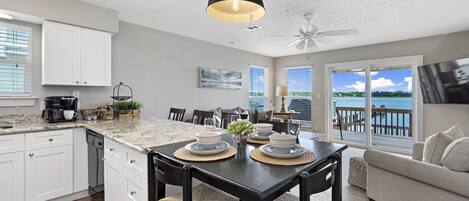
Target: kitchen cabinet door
{"x": 12, "y": 177}
{"x": 61, "y": 54}
{"x": 49, "y": 173}
{"x": 113, "y": 180}
{"x": 95, "y": 58}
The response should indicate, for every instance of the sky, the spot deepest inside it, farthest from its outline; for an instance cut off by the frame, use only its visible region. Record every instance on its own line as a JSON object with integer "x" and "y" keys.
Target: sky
{"x": 387, "y": 80}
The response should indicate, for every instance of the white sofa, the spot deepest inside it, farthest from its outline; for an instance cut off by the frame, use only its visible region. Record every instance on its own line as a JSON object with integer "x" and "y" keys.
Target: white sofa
{"x": 393, "y": 177}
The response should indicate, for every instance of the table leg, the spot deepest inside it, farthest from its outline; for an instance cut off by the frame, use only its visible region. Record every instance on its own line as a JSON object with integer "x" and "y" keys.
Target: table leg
{"x": 337, "y": 186}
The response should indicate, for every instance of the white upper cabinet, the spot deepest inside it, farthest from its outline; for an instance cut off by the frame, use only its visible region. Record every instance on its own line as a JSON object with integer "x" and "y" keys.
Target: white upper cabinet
{"x": 61, "y": 54}
{"x": 75, "y": 56}
{"x": 95, "y": 58}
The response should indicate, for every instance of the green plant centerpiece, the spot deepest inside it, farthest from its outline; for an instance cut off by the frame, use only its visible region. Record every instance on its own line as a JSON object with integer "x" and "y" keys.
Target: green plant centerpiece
{"x": 129, "y": 109}
{"x": 241, "y": 129}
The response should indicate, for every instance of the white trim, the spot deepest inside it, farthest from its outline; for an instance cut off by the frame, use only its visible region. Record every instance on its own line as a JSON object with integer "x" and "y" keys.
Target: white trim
{"x": 412, "y": 61}
{"x": 266, "y": 82}
{"x": 18, "y": 101}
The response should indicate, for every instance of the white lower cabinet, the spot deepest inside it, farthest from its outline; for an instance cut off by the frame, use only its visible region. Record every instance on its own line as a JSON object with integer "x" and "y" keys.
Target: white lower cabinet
{"x": 48, "y": 173}
{"x": 125, "y": 178}
{"x": 113, "y": 180}
{"x": 12, "y": 177}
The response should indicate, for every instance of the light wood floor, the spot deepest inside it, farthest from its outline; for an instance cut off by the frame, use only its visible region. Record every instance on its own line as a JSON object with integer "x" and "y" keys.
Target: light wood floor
{"x": 349, "y": 193}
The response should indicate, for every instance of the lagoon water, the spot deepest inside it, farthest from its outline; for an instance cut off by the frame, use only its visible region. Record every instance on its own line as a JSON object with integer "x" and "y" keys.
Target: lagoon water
{"x": 388, "y": 102}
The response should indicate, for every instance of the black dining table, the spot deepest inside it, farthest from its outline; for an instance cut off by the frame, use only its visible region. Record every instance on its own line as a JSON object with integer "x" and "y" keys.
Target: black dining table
{"x": 250, "y": 180}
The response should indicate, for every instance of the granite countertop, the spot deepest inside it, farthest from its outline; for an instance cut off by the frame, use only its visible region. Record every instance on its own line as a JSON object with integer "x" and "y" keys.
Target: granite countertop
{"x": 140, "y": 134}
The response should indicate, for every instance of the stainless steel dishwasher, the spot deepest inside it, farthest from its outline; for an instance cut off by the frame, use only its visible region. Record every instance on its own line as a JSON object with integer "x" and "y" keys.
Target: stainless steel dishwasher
{"x": 95, "y": 162}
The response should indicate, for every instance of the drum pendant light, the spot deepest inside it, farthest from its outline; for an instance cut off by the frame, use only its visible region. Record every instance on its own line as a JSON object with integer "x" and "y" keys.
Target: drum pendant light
{"x": 236, "y": 11}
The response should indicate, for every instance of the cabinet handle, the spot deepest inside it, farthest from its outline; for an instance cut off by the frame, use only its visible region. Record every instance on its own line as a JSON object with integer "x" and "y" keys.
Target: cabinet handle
{"x": 78, "y": 82}
{"x": 111, "y": 149}
{"x": 133, "y": 192}
{"x": 132, "y": 161}
{"x": 31, "y": 154}
{"x": 86, "y": 82}
{"x": 51, "y": 139}
{"x": 103, "y": 159}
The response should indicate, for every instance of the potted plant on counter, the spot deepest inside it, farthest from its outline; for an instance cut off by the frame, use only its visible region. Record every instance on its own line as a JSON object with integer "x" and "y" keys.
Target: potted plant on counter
{"x": 241, "y": 129}
{"x": 129, "y": 109}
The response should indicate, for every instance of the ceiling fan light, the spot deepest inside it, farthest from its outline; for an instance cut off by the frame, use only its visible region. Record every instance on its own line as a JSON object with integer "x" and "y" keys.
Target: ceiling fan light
{"x": 236, "y": 11}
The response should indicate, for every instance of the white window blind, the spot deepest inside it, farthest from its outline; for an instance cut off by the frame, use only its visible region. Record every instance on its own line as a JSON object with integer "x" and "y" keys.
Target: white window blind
{"x": 15, "y": 53}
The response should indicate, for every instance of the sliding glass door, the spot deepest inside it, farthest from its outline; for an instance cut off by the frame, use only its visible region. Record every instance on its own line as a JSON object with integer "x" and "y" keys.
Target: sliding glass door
{"x": 348, "y": 105}
{"x": 374, "y": 103}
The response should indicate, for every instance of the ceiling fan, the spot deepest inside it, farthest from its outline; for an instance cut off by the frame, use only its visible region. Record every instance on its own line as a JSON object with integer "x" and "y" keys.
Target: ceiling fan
{"x": 309, "y": 35}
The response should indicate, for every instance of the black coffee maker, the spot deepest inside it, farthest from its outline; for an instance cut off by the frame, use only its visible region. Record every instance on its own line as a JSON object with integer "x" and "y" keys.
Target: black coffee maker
{"x": 55, "y": 106}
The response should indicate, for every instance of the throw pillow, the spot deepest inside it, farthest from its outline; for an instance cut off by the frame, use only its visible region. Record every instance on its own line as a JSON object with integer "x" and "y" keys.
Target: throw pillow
{"x": 456, "y": 155}
{"x": 454, "y": 132}
{"x": 434, "y": 148}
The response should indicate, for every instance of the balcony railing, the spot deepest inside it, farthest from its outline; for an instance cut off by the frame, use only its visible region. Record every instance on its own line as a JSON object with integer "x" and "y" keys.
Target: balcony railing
{"x": 387, "y": 122}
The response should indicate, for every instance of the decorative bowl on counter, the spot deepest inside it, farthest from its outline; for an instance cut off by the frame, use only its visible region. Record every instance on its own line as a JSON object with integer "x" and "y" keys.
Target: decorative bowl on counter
{"x": 89, "y": 114}
{"x": 208, "y": 137}
{"x": 282, "y": 140}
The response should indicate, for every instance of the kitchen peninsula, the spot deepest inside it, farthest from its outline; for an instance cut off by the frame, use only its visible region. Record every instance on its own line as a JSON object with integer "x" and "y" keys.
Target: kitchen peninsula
{"x": 54, "y": 155}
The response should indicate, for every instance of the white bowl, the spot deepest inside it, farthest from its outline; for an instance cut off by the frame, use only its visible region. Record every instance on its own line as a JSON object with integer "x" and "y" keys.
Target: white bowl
{"x": 208, "y": 137}
{"x": 282, "y": 140}
{"x": 263, "y": 127}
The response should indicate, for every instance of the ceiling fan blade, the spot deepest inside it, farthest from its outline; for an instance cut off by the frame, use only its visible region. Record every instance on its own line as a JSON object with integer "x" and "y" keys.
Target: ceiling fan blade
{"x": 326, "y": 41}
{"x": 337, "y": 33}
{"x": 295, "y": 42}
{"x": 301, "y": 45}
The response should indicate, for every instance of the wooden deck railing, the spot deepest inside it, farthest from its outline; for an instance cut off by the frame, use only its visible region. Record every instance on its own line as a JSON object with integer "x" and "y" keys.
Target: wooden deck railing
{"x": 389, "y": 122}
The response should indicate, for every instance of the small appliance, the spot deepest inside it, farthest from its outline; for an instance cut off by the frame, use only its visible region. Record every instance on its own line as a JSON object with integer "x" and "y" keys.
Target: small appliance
{"x": 55, "y": 106}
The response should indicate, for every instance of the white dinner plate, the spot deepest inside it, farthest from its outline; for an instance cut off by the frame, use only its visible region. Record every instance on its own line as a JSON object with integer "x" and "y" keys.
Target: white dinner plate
{"x": 201, "y": 149}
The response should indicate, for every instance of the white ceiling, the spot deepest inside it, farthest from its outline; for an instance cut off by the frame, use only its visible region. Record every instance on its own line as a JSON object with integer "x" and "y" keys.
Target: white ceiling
{"x": 377, "y": 21}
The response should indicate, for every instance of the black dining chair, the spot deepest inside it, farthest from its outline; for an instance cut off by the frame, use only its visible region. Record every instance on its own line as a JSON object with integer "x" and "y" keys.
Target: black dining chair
{"x": 176, "y": 114}
{"x": 318, "y": 181}
{"x": 173, "y": 173}
{"x": 168, "y": 172}
{"x": 199, "y": 116}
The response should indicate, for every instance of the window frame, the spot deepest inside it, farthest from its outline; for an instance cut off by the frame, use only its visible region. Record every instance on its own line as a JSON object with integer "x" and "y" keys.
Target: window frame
{"x": 27, "y": 64}
{"x": 266, "y": 83}
{"x": 304, "y": 123}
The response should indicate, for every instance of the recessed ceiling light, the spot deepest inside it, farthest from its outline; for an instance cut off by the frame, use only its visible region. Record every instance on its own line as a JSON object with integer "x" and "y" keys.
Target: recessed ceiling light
{"x": 6, "y": 16}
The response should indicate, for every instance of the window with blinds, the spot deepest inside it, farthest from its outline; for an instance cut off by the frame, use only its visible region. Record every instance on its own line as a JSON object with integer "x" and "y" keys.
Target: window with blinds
{"x": 15, "y": 59}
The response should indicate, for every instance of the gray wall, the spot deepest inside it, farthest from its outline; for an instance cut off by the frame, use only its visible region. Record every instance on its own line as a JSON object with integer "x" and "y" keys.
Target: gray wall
{"x": 67, "y": 11}
{"x": 162, "y": 69}
{"x": 434, "y": 49}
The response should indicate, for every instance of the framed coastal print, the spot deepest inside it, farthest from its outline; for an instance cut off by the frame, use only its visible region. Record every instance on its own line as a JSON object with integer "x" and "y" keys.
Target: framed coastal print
{"x": 220, "y": 79}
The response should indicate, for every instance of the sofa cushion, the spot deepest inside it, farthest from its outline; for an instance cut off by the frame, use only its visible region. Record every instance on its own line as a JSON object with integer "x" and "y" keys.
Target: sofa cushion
{"x": 431, "y": 174}
{"x": 454, "y": 132}
{"x": 434, "y": 148}
{"x": 456, "y": 155}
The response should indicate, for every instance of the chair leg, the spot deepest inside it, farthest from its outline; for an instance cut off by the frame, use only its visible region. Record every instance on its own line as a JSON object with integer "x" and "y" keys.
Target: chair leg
{"x": 337, "y": 185}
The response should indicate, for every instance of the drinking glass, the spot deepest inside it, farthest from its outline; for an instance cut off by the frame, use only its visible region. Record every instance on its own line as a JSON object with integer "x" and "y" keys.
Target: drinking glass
{"x": 209, "y": 123}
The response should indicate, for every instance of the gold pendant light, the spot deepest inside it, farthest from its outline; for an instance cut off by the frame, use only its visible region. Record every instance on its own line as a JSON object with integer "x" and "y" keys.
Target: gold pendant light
{"x": 236, "y": 11}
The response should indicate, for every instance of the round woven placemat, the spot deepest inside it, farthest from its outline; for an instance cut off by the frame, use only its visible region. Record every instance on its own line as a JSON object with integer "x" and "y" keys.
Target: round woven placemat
{"x": 255, "y": 141}
{"x": 183, "y": 154}
{"x": 257, "y": 155}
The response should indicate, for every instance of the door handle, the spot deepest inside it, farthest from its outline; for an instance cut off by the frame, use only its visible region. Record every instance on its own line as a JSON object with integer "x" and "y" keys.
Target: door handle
{"x": 31, "y": 154}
